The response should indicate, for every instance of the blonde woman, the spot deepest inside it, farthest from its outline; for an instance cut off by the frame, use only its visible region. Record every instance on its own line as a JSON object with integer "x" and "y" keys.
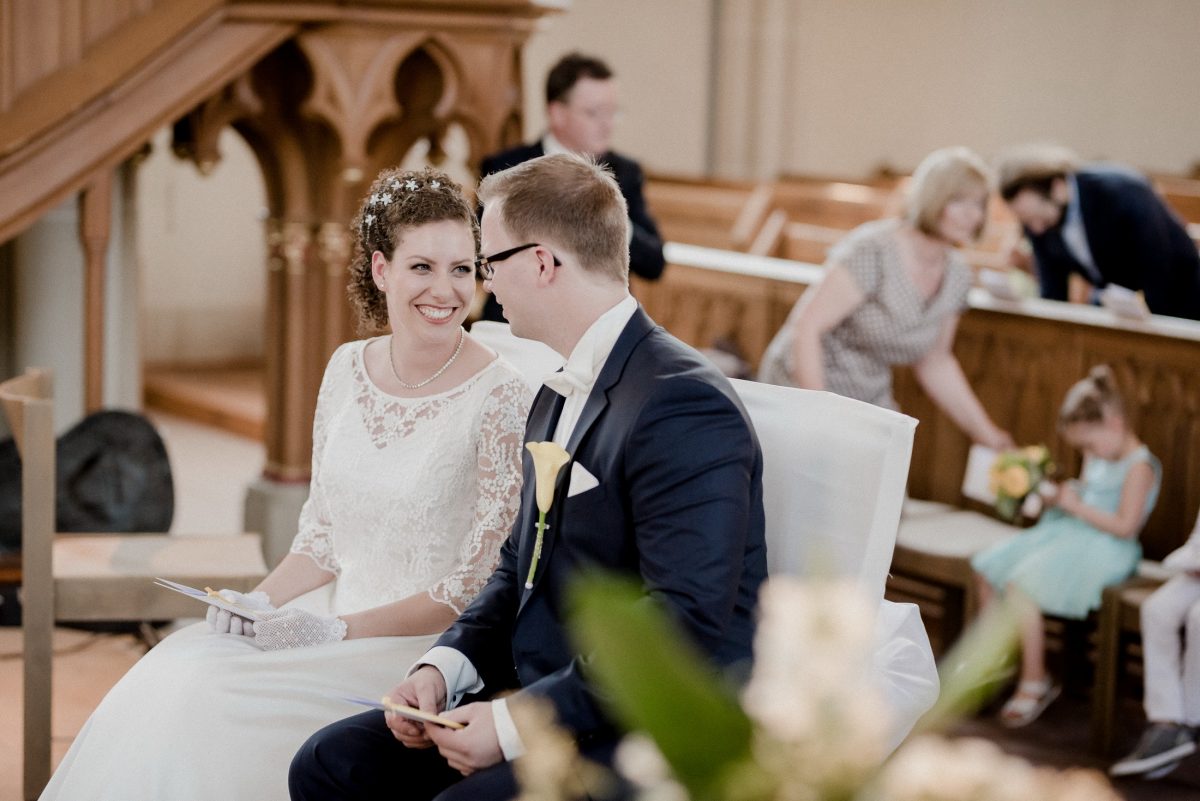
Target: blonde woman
{"x": 892, "y": 294}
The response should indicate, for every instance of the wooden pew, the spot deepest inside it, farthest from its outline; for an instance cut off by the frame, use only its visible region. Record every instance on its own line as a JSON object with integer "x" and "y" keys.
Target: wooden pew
{"x": 1181, "y": 194}
{"x": 834, "y": 204}
{"x": 712, "y": 213}
{"x": 1020, "y": 357}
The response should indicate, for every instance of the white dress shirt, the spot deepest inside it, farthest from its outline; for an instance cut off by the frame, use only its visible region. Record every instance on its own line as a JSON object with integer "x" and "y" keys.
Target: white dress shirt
{"x": 575, "y": 381}
{"x": 1075, "y": 236}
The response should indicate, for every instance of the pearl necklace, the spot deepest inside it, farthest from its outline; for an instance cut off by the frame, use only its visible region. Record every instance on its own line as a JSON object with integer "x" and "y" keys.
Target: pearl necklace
{"x": 392, "y": 362}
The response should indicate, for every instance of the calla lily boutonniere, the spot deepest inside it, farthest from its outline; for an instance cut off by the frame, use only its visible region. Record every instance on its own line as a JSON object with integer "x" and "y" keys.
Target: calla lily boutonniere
{"x": 548, "y": 459}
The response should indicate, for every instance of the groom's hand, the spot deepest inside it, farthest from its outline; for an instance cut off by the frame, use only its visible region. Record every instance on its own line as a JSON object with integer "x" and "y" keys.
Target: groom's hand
{"x": 425, "y": 689}
{"x": 474, "y": 748}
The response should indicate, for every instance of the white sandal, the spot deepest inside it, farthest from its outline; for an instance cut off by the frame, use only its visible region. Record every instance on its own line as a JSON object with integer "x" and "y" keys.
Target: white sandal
{"x": 1028, "y": 702}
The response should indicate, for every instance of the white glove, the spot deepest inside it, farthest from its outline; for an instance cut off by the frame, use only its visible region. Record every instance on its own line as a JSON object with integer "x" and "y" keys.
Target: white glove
{"x": 222, "y": 621}
{"x": 296, "y": 628}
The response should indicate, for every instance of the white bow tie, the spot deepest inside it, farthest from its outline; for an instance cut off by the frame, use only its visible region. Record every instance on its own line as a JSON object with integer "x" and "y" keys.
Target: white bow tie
{"x": 567, "y": 383}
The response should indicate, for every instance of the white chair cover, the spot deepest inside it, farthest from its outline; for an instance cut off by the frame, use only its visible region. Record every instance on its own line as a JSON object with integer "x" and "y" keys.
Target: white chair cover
{"x": 834, "y": 476}
{"x": 834, "y": 473}
{"x": 534, "y": 359}
{"x": 833, "y": 481}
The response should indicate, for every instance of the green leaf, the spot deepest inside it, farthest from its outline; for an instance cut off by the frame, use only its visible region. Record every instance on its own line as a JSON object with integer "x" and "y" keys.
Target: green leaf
{"x": 977, "y": 666}
{"x": 656, "y": 681}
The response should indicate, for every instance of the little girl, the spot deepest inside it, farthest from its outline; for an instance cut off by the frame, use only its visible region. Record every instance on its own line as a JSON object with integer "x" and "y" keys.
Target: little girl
{"x": 1086, "y": 540}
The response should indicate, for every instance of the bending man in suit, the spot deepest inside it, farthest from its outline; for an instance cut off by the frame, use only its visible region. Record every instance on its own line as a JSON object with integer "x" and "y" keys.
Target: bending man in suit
{"x": 1104, "y": 222}
{"x": 581, "y": 107}
{"x": 664, "y": 484}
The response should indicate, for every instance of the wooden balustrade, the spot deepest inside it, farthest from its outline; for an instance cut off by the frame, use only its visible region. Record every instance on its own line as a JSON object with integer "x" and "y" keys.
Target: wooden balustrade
{"x": 1019, "y": 357}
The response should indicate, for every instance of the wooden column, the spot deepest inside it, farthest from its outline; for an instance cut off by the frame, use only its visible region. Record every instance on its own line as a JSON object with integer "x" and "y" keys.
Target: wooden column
{"x": 95, "y": 220}
{"x": 289, "y": 338}
{"x": 333, "y": 253}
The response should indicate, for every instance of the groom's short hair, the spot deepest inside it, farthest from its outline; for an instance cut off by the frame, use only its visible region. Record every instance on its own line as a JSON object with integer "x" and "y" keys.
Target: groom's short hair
{"x": 565, "y": 200}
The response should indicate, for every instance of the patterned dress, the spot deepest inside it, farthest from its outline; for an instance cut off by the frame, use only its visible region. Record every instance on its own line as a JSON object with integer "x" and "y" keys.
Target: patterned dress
{"x": 895, "y": 324}
{"x": 408, "y": 495}
{"x": 1064, "y": 563}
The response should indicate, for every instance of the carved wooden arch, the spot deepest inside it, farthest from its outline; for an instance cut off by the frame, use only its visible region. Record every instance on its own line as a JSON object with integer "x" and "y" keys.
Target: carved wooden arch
{"x": 323, "y": 113}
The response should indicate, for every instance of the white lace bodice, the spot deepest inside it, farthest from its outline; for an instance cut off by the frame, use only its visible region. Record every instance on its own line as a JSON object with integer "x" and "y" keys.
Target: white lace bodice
{"x": 412, "y": 494}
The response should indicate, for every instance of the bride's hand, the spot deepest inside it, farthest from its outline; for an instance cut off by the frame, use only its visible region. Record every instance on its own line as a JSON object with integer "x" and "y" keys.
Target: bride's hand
{"x": 222, "y": 621}
{"x": 296, "y": 628}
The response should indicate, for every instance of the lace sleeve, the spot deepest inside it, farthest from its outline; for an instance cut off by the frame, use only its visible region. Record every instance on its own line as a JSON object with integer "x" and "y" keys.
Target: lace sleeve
{"x": 314, "y": 538}
{"x": 498, "y": 466}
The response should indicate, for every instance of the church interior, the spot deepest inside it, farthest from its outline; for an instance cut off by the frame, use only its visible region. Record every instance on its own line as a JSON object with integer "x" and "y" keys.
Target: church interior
{"x": 177, "y": 178}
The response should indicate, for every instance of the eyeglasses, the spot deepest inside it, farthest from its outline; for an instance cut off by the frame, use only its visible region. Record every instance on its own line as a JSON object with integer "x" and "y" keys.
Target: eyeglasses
{"x": 484, "y": 263}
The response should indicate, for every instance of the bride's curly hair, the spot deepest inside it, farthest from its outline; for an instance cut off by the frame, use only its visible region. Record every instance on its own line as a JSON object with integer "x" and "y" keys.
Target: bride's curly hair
{"x": 398, "y": 200}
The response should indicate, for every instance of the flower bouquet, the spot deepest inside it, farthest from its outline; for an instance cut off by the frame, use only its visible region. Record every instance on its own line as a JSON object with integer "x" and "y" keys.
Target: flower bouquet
{"x": 1013, "y": 478}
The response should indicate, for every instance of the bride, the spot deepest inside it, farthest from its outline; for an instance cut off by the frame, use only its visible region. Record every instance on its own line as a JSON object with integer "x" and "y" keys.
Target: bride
{"x": 415, "y": 483}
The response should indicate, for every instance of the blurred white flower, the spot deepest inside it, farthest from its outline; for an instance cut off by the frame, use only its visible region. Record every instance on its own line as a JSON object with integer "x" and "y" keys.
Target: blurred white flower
{"x": 969, "y": 769}
{"x": 551, "y": 769}
{"x": 641, "y": 763}
{"x": 810, "y": 689}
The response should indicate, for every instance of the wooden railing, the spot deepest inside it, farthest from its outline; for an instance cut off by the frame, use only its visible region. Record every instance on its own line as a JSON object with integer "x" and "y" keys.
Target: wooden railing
{"x": 1020, "y": 358}
{"x": 71, "y": 113}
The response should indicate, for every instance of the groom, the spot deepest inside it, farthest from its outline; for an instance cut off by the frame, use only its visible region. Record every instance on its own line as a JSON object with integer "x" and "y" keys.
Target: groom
{"x": 664, "y": 484}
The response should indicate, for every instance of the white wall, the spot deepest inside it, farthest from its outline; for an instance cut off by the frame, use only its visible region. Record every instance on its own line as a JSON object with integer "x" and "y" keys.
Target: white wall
{"x": 49, "y": 309}
{"x": 884, "y": 83}
{"x": 202, "y": 246}
{"x": 660, "y": 52}
{"x": 846, "y": 86}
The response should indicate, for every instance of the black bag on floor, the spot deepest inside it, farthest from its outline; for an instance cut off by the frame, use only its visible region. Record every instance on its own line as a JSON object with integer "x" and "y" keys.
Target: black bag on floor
{"x": 113, "y": 476}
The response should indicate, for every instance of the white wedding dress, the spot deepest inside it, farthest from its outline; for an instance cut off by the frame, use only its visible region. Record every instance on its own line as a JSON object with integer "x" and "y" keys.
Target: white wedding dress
{"x": 407, "y": 495}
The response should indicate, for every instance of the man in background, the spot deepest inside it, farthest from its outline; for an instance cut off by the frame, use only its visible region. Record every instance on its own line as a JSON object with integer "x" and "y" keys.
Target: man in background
{"x": 1104, "y": 222}
{"x": 581, "y": 110}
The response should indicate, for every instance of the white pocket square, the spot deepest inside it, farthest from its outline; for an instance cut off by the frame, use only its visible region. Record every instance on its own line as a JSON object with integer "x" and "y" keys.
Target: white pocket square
{"x": 581, "y": 480}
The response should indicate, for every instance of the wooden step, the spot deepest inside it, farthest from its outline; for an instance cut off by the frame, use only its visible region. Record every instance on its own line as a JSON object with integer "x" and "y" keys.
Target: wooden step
{"x": 232, "y": 398}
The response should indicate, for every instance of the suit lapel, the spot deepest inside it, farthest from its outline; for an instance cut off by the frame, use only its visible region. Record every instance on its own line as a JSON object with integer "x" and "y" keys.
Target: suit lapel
{"x": 638, "y": 326}
{"x": 543, "y": 418}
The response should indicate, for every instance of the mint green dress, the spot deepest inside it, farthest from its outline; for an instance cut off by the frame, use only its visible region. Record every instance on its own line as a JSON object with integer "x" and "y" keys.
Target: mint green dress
{"x": 1063, "y": 563}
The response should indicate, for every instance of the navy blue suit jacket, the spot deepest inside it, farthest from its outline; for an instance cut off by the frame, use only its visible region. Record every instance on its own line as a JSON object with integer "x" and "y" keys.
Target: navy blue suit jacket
{"x": 1135, "y": 240}
{"x": 645, "y": 249}
{"x": 678, "y": 506}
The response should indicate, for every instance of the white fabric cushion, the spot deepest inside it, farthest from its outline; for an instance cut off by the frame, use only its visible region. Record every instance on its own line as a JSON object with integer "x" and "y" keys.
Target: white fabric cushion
{"x": 1150, "y": 569}
{"x": 915, "y": 508}
{"x": 957, "y": 534}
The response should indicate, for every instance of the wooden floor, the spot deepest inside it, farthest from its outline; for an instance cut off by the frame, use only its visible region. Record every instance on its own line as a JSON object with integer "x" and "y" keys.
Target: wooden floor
{"x": 232, "y": 398}
{"x": 1059, "y": 739}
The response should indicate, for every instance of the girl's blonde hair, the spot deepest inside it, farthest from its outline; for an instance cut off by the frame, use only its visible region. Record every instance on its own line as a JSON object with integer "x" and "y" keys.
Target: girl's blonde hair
{"x": 1089, "y": 399}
